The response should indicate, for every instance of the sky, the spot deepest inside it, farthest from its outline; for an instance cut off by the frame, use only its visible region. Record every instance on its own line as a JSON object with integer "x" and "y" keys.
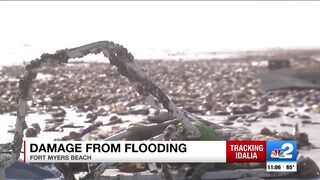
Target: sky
{"x": 30, "y": 28}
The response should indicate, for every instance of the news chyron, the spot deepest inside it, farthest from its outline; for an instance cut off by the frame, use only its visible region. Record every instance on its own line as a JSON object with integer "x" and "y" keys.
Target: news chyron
{"x": 279, "y": 156}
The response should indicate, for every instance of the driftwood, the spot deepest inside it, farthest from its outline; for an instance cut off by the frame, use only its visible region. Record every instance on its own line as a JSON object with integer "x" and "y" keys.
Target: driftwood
{"x": 126, "y": 66}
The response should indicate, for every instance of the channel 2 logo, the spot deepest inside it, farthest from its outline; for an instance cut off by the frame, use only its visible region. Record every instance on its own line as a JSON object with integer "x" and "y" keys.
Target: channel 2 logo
{"x": 281, "y": 151}
{"x": 281, "y": 156}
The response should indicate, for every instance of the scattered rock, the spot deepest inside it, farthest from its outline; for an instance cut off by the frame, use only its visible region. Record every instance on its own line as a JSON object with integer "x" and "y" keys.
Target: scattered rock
{"x": 263, "y": 107}
{"x": 139, "y": 109}
{"x": 251, "y": 118}
{"x": 58, "y": 119}
{"x": 304, "y": 116}
{"x": 51, "y": 127}
{"x": 283, "y": 104}
{"x": 266, "y": 132}
{"x": 240, "y": 120}
{"x": 12, "y": 130}
{"x": 72, "y": 136}
{"x": 120, "y": 110}
{"x": 221, "y": 113}
{"x": 59, "y": 113}
{"x": 315, "y": 109}
{"x": 306, "y": 122}
{"x": 240, "y": 109}
{"x": 286, "y": 124}
{"x": 234, "y": 85}
{"x": 102, "y": 112}
{"x": 285, "y": 136}
{"x": 302, "y": 139}
{"x": 31, "y": 132}
{"x": 91, "y": 117}
{"x": 36, "y": 126}
{"x": 290, "y": 113}
{"x": 233, "y": 117}
{"x": 227, "y": 123}
{"x": 114, "y": 120}
{"x": 188, "y": 85}
{"x": 270, "y": 114}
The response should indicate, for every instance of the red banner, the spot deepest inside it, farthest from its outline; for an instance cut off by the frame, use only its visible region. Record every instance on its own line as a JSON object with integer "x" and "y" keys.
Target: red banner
{"x": 246, "y": 151}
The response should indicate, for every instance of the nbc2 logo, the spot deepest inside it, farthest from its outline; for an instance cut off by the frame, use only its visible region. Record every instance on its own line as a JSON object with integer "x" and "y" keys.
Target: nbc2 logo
{"x": 281, "y": 150}
{"x": 284, "y": 152}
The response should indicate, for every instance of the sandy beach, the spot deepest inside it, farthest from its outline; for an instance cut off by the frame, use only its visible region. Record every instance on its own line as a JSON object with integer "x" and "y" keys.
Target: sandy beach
{"x": 65, "y": 100}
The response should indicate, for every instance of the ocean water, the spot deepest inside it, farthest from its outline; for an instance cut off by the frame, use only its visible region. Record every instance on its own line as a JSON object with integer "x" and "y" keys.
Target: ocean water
{"x": 16, "y": 55}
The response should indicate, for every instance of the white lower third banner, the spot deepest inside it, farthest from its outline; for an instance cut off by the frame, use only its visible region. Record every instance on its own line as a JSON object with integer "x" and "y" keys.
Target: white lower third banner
{"x": 124, "y": 151}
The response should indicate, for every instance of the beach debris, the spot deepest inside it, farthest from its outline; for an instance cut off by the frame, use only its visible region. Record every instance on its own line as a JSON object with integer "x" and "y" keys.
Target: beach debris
{"x": 69, "y": 169}
{"x": 315, "y": 109}
{"x": 20, "y": 170}
{"x": 132, "y": 167}
{"x": 293, "y": 78}
{"x": 159, "y": 116}
{"x": 147, "y": 131}
{"x": 234, "y": 117}
{"x": 139, "y": 109}
{"x": 91, "y": 128}
{"x": 172, "y": 133}
{"x": 70, "y": 125}
{"x": 120, "y": 110}
{"x": 228, "y": 100}
{"x": 270, "y": 114}
{"x": 51, "y": 127}
{"x": 298, "y": 115}
{"x": 59, "y": 113}
{"x": 207, "y": 133}
{"x": 114, "y": 120}
{"x": 72, "y": 136}
{"x": 307, "y": 168}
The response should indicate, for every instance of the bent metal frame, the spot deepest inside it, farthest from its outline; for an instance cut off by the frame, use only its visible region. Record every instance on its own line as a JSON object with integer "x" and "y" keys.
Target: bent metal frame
{"x": 126, "y": 66}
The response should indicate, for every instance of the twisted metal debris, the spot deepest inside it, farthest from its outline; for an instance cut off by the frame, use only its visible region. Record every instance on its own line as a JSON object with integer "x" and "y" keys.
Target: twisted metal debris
{"x": 119, "y": 57}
